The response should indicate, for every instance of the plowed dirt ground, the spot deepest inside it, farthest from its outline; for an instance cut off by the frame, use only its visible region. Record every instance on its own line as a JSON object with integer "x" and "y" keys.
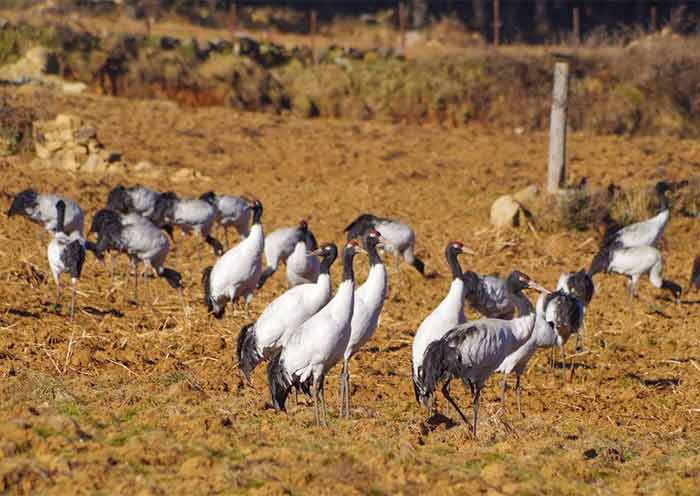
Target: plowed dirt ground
{"x": 146, "y": 399}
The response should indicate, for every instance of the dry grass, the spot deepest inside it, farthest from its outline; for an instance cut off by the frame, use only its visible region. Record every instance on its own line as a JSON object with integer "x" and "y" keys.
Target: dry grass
{"x": 131, "y": 399}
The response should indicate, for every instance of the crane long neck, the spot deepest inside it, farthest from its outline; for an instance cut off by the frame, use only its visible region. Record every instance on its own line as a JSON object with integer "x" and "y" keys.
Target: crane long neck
{"x": 373, "y": 255}
{"x": 663, "y": 200}
{"x": 60, "y": 217}
{"x": 454, "y": 264}
{"x": 521, "y": 302}
{"x": 348, "y": 272}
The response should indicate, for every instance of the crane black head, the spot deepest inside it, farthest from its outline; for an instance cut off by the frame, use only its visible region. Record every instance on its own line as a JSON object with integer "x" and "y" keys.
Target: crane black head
{"x": 582, "y": 286}
{"x": 453, "y": 249}
{"x": 358, "y": 227}
{"x": 328, "y": 253}
{"x": 24, "y": 200}
{"x": 119, "y": 200}
{"x": 256, "y": 206}
{"x": 60, "y": 216}
{"x": 209, "y": 197}
{"x": 567, "y": 313}
{"x": 164, "y": 207}
{"x": 518, "y": 281}
{"x": 371, "y": 241}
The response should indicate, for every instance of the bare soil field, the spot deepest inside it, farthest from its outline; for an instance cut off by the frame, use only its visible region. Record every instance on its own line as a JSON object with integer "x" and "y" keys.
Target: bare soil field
{"x": 147, "y": 399}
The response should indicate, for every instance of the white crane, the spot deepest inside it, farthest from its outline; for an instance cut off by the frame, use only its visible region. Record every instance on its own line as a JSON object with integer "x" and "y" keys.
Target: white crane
{"x": 633, "y": 263}
{"x": 368, "y": 304}
{"x": 317, "y": 345}
{"x": 263, "y": 338}
{"x": 449, "y": 313}
{"x": 40, "y": 208}
{"x": 279, "y": 245}
{"x": 230, "y": 211}
{"x": 473, "y": 351}
{"x": 399, "y": 238}
{"x": 140, "y": 240}
{"x": 189, "y": 214}
{"x": 558, "y": 316}
{"x": 237, "y": 272}
{"x": 302, "y": 268}
{"x": 66, "y": 253}
{"x": 645, "y": 233}
{"x": 488, "y": 295}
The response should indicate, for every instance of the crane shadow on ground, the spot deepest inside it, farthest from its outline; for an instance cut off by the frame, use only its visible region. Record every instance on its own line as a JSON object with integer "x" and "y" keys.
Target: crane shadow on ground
{"x": 660, "y": 383}
{"x": 23, "y": 313}
{"x": 101, "y": 312}
{"x": 435, "y": 421}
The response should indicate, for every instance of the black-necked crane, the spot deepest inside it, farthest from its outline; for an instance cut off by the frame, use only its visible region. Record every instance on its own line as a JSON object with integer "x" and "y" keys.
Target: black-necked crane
{"x": 302, "y": 268}
{"x": 230, "y": 211}
{"x": 559, "y": 315}
{"x": 400, "y": 240}
{"x": 66, "y": 254}
{"x": 279, "y": 245}
{"x": 263, "y": 338}
{"x": 473, "y": 351}
{"x": 368, "y": 304}
{"x": 237, "y": 272}
{"x": 317, "y": 345}
{"x": 40, "y": 208}
{"x": 448, "y": 314}
{"x": 633, "y": 263}
{"x": 578, "y": 284}
{"x": 189, "y": 214}
{"x": 140, "y": 240}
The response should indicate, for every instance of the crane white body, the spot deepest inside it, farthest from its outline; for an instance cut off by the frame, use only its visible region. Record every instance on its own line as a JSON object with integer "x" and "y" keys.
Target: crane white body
{"x": 236, "y": 273}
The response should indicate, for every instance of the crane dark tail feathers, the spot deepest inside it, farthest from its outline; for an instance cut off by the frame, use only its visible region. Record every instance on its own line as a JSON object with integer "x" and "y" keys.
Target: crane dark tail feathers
{"x": 279, "y": 385}
{"x": 695, "y": 274}
{"x": 216, "y": 311}
{"x": 419, "y": 265}
{"x": 172, "y": 276}
{"x": 440, "y": 362}
{"x": 266, "y": 274}
{"x": 601, "y": 261}
{"x": 358, "y": 227}
{"x": 216, "y": 245}
{"x": 246, "y": 350}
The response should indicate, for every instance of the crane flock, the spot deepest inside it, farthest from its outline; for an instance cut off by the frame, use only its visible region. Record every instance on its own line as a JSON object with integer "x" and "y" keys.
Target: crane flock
{"x": 309, "y": 329}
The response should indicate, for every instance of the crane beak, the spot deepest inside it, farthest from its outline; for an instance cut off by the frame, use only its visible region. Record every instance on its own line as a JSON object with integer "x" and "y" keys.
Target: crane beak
{"x": 537, "y": 287}
{"x": 318, "y": 252}
{"x": 468, "y": 251}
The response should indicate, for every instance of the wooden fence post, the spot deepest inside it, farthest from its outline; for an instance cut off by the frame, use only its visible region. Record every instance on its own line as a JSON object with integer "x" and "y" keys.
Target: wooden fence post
{"x": 403, "y": 18}
{"x": 652, "y": 23}
{"x": 496, "y": 22}
{"x": 577, "y": 25}
{"x": 234, "y": 16}
{"x": 556, "y": 169}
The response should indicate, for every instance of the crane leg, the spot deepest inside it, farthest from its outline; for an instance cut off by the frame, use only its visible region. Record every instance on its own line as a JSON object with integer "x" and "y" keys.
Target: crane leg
{"x": 347, "y": 389}
{"x": 57, "y": 305}
{"x": 72, "y": 298}
{"x": 563, "y": 362}
{"x": 446, "y": 394}
{"x": 477, "y": 395}
{"x": 136, "y": 282}
{"x": 226, "y": 235}
{"x": 518, "y": 388}
{"x": 344, "y": 391}
{"x": 324, "y": 420}
{"x": 504, "y": 386}
{"x": 316, "y": 413}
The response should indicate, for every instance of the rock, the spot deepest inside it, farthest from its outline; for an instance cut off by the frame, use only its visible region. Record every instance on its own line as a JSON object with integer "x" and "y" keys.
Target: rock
{"x": 143, "y": 166}
{"x": 66, "y": 121}
{"x": 527, "y": 197}
{"x": 505, "y": 212}
{"x": 73, "y": 88}
{"x": 94, "y": 163}
{"x": 69, "y": 161}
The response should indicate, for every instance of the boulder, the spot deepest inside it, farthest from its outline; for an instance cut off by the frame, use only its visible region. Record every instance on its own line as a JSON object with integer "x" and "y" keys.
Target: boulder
{"x": 505, "y": 212}
{"x": 527, "y": 197}
{"x": 32, "y": 66}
